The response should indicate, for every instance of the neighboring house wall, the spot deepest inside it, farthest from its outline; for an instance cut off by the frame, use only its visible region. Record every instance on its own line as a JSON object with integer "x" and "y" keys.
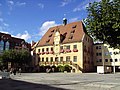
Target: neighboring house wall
{"x": 7, "y": 42}
{"x": 104, "y": 55}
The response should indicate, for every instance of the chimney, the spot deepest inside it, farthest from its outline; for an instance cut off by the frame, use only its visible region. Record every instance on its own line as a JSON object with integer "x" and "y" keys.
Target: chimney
{"x": 64, "y": 21}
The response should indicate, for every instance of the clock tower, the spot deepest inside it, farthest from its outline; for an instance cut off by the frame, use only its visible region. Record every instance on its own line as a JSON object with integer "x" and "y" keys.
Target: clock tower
{"x": 57, "y": 42}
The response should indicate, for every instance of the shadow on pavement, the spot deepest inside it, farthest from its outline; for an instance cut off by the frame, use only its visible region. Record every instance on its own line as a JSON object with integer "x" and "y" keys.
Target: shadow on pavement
{"x": 9, "y": 84}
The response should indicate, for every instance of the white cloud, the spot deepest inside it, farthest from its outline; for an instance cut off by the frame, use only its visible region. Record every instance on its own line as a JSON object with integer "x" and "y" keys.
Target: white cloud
{"x": 80, "y": 7}
{"x": 41, "y": 5}
{"x": 73, "y": 19}
{"x": 24, "y": 36}
{"x": 3, "y": 31}
{"x": 10, "y": 4}
{"x": 20, "y": 3}
{"x": 83, "y": 5}
{"x": 65, "y": 2}
{"x": 6, "y": 25}
{"x": 45, "y": 26}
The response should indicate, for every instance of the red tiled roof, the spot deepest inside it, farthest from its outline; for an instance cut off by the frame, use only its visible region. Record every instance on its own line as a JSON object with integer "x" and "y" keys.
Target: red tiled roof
{"x": 72, "y": 32}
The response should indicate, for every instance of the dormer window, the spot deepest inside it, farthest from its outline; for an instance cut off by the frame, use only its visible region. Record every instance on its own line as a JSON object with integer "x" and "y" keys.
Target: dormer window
{"x": 71, "y": 36}
{"x": 52, "y": 31}
{"x": 74, "y": 26}
{"x": 47, "y": 40}
{"x": 72, "y": 31}
{"x": 50, "y": 35}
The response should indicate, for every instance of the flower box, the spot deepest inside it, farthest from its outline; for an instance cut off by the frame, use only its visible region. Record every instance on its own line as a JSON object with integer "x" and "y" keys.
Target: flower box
{"x": 68, "y": 50}
{"x": 75, "y": 50}
{"x": 51, "y": 52}
{"x": 47, "y": 52}
{"x": 43, "y": 53}
{"x": 62, "y": 51}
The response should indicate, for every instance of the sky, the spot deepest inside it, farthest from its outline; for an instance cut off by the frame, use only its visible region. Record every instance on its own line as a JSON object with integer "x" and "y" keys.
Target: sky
{"x": 30, "y": 19}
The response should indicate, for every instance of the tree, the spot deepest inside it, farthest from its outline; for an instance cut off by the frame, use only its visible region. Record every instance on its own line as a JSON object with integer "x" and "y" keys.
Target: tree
{"x": 103, "y": 21}
{"x": 18, "y": 57}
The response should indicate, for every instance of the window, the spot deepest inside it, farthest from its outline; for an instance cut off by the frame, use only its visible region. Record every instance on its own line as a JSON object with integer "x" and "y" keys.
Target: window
{"x": 98, "y": 54}
{"x": 50, "y": 35}
{"x": 52, "y": 31}
{"x": 70, "y": 37}
{"x": 51, "y": 59}
{"x": 106, "y": 60}
{"x": 46, "y": 59}
{"x": 111, "y": 60}
{"x": 61, "y": 59}
{"x": 61, "y": 47}
{"x": 42, "y": 59}
{"x": 67, "y": 58}
{"x": 75, "y": 59}
{"x": 74, "y": 46}
{"x": 47, "y": 40}
{"x": 116, "y": 60}
{"x": 106, "y": 53}
{"x": 56, "y": 59}
{"x": 38, "y": 50}
{"x": 74, "y": 26}
{"x": 96, "y": 47}
{"x": 99, "y": 47}
{"x": 51, "y": 49}
{"x": 99, "y": 60}
{"x": 7, "y": 45}
{"x": 110, "y": 53}
{"x": 1, "y": 45}
{"x": 72, "y": 31}
{"x": 68, "y": 47}
{"x": 47, "y": 49}
{"x": 42, "y": 49}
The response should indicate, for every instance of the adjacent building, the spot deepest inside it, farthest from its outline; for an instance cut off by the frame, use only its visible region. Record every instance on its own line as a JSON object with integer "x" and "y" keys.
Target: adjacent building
{"x": 8, "y": 42}
{"x": 107, "y": 57}
{"x": 66, "y": 44}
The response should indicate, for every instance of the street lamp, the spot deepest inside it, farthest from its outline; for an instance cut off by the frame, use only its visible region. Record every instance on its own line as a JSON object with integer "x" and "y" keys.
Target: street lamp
{"x": 103, "y": 58}
{"x": 114, "y": 62}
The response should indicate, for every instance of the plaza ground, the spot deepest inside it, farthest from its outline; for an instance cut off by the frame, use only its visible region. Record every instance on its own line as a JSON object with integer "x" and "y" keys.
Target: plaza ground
{"x": 61, "y": 81}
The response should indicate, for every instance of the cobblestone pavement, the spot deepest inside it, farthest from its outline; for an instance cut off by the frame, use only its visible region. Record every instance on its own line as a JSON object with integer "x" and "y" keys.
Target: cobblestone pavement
{"x": 61, "y": 81}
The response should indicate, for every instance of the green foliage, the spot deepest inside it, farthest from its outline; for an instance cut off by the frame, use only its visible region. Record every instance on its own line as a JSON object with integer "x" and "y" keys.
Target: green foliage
{"x": 64, "y": 68}
{"x": 61, "y": 68}
{"x": 103, "y": 21}
{"x": 16, "y": 56}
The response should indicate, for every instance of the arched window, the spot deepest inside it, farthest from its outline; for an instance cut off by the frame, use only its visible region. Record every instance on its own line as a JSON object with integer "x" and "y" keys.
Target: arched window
{"x": 1, "y": 45}
{"x": 7, "y": 45}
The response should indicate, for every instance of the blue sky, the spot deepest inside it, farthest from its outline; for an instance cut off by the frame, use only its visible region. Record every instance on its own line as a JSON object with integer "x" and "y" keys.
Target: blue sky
{"x": 30, "y": 19}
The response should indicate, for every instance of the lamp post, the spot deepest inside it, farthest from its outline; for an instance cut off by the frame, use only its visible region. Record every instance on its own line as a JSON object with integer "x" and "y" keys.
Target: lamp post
{"x": 114, "y": 62}
{"x": 103, "y": 58}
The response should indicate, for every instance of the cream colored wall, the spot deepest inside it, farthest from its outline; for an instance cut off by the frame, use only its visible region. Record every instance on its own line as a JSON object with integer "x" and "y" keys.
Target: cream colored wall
{"x": 71, "y": 54}
{"x": 106, "y": 48}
